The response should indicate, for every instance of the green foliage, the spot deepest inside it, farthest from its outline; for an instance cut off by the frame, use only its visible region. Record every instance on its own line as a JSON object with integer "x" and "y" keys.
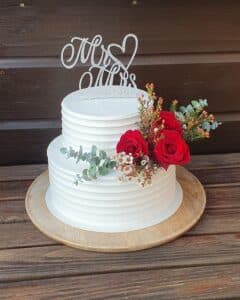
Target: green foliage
{"x": 196, "y": 122}
{"x": 99, "y": 164}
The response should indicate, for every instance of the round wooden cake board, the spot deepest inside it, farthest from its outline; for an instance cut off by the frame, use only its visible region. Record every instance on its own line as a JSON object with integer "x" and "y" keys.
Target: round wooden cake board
{"x": 187, "y": 215}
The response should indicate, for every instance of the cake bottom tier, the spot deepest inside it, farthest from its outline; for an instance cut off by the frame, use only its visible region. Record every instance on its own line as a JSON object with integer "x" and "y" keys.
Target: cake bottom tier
{"x": 106, "y": 204}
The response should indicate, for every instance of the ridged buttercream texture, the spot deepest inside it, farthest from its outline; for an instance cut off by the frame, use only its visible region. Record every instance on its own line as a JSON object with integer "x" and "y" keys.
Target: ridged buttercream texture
{"x": 99, "y": 116}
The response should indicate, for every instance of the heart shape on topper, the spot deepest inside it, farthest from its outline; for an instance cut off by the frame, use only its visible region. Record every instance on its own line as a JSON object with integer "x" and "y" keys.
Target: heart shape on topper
{"x": 123, "y": 47}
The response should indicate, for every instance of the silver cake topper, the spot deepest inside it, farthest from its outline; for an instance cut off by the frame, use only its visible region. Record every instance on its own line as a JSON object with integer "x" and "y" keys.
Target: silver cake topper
{"x": 109, "y": 69}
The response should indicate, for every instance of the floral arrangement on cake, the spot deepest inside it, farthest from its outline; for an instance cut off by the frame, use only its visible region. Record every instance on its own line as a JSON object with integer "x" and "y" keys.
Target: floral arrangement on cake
{"x": 161, "y": 140}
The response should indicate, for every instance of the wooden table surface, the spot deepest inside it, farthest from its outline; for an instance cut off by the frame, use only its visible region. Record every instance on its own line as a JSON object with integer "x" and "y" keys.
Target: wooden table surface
{"x": 202, "y": 264}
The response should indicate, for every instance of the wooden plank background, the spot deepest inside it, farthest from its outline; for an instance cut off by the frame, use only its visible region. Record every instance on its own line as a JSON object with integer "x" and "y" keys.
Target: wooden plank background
{"x": 189, "y": 49}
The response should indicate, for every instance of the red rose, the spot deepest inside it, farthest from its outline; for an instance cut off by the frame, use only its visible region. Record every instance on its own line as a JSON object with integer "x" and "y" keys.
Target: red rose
{"x": 171, "y": 149}
{"x": 170, "y": 122}
{"x": 133, "y": 142}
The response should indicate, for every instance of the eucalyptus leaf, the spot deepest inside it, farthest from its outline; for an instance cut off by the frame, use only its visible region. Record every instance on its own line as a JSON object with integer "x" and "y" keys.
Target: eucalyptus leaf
{"x": 79, "y": 154}
{"x": 95, "y": 161}
{"x": 179, "y": 115}
{"x": 88, "y": 156}
{"x": 84, "y": 156}
{"x": 103, "y": 171}
{"x": 214, "y": 125}
{"x": 203, "y": 102}
{"x": 102, "y": 154}
{"x": 93, "y": 172}
{"x": 183, "y": 109}
{"x": 196, "y": 104}
{"x": 206, "y": 126}
{"x": 112, "y": 164}
{"x": 63, "y": 150}
{"x": 94, "y": 150}
{"x": 106, "y": 162}
{"x": 189, "y": 108}
{"x": 85, "y": 175}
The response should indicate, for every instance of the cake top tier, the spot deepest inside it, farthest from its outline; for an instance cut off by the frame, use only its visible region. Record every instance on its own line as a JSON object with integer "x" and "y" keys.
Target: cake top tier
{"x": 103, "y": 103}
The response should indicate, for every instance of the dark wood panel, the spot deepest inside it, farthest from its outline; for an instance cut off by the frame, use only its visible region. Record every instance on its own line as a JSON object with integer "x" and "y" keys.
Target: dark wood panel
{"x": 215, "y": 282}
{"x": 25, "y": 146}
{"x": 225, "y": 139}
{"x": 48, "y": 261}
{"x": 216, "y": 82}
{"x": 35, "y": 93}
{"x": 36, "y": 29}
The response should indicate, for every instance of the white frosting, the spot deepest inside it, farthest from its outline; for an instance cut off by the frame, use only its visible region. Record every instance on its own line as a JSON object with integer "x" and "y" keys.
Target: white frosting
{"x": 99, "y": 116}
{"x": 106, "y": 204}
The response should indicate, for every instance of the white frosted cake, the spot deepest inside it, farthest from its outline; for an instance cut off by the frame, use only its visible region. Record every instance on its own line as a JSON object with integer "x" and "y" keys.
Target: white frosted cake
{"x": 99, "y": 116}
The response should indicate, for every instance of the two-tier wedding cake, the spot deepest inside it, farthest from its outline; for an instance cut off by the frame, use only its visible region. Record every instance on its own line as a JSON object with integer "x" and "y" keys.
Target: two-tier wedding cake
{"x": 113, "y": 168}
{"x": 99, "y": 116}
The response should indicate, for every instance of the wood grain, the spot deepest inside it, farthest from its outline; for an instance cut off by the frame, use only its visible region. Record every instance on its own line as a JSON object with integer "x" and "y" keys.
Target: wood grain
{"x": 15, "y": 235}
{"x": 213, "y": 161}
{"x": 48, "y": 261}
{"x": 12, "y": 212}
{"x": 15, "y": 180}
{"x": 14, "y": 190}
{"x": 215, "y": 282}
{"x": 218, "y": 221}
{"x": 217, "y": 176}
{"x": 225, "y": 196}
{"x": 168, "y": 27}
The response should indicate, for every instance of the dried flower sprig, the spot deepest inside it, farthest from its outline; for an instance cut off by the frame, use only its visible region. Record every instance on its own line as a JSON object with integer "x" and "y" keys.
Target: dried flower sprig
{"x": 149, "y": 110}
{"x": 196, "y": 121}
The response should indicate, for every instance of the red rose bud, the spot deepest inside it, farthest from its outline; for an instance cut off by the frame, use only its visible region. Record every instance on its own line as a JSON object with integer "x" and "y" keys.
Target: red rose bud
{"x": 171, "y": 149}
{"x": 132, "y": 142}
